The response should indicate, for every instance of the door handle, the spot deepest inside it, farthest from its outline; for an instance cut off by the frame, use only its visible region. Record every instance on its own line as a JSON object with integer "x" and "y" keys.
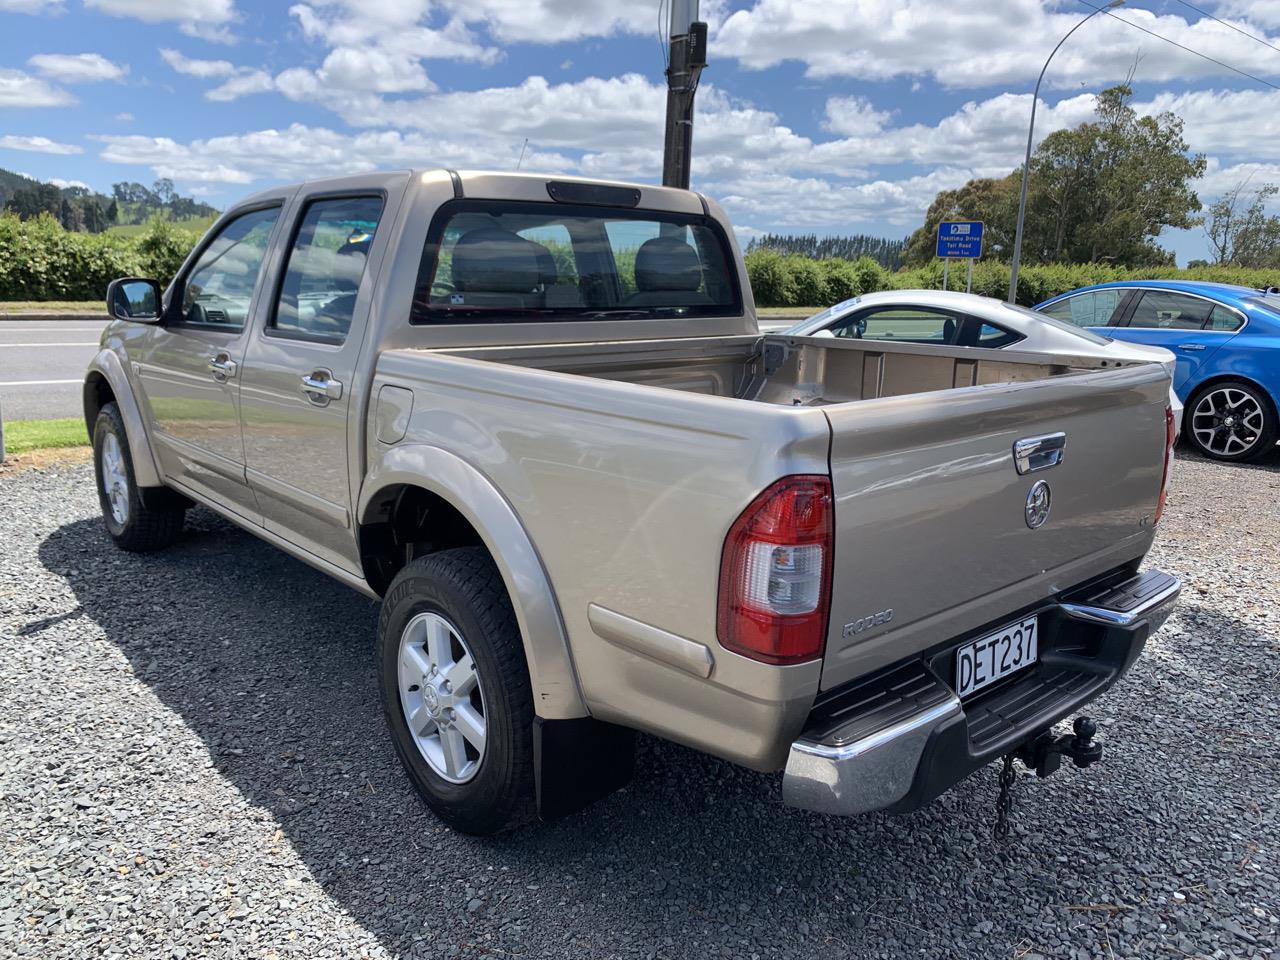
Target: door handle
{"x": 1039, "y": 453}
{"x": 222, "y": 367}
{"x": 321, "y": 388}
{"x": 1191, "y": 346}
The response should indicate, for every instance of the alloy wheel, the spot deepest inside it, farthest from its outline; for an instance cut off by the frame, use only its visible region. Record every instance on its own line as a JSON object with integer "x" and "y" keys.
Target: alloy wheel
{"x": 1228, "y": 422}
{"x": 115, "y": 479}
{"x": 441, "y": 697}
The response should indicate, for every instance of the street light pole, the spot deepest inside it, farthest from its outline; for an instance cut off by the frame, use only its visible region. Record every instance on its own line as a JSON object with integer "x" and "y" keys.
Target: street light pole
{"x": 686, "y": 57}
{"x": 1026, "y": 163}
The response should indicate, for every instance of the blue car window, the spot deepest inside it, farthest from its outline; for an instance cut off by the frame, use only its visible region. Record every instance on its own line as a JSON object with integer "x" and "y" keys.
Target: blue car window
{"x": 1164, "y": 310}
{"x": 1224, "y": 320}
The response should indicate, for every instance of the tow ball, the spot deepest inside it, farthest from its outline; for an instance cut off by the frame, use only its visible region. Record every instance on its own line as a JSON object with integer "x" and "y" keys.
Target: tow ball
{"x": 1044, "y": 754}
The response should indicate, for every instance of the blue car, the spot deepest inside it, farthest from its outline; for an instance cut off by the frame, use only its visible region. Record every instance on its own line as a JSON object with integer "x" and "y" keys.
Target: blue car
{"x": 1227, "y": 343}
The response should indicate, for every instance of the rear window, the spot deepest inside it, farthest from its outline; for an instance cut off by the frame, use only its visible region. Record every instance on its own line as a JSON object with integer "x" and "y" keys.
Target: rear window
{"x": 500, "y": 262}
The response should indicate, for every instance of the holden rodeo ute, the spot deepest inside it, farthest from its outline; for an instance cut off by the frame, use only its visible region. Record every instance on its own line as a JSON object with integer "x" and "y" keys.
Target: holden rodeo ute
{"x": 537, "y": 419}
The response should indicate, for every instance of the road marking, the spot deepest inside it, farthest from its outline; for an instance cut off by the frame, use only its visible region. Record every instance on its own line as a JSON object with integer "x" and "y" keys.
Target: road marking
{"x": 86, "y": 343}
{"x": 36, "y": 383}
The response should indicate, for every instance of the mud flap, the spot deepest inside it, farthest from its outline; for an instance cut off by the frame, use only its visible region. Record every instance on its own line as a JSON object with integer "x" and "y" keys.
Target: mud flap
{"x": 579, "y": 761}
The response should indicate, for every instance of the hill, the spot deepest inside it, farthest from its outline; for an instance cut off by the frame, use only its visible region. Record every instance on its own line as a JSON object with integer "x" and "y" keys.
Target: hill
{"x": 85, "y": 211}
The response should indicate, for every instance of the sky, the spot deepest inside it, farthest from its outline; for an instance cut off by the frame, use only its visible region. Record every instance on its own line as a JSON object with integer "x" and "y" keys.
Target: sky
{"x": 833, "y": 117}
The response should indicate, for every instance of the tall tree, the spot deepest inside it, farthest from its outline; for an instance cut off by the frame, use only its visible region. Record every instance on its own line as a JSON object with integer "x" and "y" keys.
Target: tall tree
{"x": 994, "y": 202}
{"x": 1240, "y": 232}
{"x": 1102, "y": 191}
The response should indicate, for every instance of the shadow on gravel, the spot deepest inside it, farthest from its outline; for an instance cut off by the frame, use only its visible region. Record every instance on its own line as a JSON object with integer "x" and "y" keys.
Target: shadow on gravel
{"x": 270, "y": 664}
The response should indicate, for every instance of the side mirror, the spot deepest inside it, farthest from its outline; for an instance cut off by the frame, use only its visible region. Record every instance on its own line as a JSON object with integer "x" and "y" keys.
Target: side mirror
{"x": 134, "y": 299}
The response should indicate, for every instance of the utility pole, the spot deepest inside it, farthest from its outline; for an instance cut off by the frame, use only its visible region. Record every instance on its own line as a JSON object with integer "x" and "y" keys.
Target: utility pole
{"x": 686, "y": 58}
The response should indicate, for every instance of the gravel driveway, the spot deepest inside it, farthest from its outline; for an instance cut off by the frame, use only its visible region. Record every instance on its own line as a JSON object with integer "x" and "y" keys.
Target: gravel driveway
{"x": 193, "y": 764}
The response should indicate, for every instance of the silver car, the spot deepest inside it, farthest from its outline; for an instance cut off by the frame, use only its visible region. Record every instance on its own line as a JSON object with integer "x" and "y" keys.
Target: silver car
{"x": 943, "y": 318}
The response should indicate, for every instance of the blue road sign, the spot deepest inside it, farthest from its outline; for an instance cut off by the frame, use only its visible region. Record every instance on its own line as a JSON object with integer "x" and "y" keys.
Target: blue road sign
{"x": 960, "y": 239}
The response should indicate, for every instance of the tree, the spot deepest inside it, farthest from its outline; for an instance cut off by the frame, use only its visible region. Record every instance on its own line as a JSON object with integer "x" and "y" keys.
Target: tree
{"x": 1102, "y": 191}
{"x": 994, "y": 202}
{"x": 163, "y": 190}
{"x": 1240, "y": 232}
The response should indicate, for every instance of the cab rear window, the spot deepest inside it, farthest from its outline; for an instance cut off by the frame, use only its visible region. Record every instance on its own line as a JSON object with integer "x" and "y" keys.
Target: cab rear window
{"x": 492, "y": 261}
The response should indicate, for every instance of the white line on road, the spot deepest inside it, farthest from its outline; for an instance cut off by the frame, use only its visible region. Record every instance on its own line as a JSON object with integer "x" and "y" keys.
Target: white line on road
{"x": 35, "y": 383}
{"x": 86, "y": 343}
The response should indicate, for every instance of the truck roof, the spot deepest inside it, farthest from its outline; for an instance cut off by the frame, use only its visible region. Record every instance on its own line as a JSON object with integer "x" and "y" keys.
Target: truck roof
{"x": 499, "y": 184}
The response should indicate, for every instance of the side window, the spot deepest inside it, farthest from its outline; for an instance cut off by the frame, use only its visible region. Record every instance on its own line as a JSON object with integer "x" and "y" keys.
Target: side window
{"x": 1162, "y": 310}
{"x": 992, "y": 336}
{"x": 1093, "y": 309}
{"x": 219, "y": 287}
{"x": 1224, "y": 320}
{"x": 326, "y": 263}
{"x": 909, "y": 324}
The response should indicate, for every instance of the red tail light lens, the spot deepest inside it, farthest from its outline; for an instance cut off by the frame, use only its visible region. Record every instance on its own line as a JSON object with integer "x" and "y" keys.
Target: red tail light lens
{"x": 1169, "y": 436}
{"x": 775, "y": 573}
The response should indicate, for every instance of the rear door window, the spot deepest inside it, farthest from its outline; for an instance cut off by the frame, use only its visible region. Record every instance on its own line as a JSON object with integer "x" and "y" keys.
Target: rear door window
{"x": 326, "y": 263}
{"x": 1224, "y": 320}
{"x": 491, "y": 261}
{"x": 1166, "y": 310}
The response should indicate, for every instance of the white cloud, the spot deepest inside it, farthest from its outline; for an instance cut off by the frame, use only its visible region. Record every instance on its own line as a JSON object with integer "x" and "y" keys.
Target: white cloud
{"x": 63, "y": 184}
{"x": 77, "y": 67}
{"x": 30, "y": 6}
{"x": 38, "y": 145}
{"x": 124, "y": 117}
{"x": 206, "y": 19}
{"x": 197, "y": 68}
{"x": 977, "y": 45}
{"x": 299, "y": 151}
{"x": 1264, "y": 13}
{"x": 157, "y": 11}
{"x": 19, "y": 89}
{"x": 254, "y": 81}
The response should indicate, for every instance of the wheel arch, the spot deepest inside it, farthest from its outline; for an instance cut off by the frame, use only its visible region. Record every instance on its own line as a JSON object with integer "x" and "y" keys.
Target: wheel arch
{"x": 1229, "y": 377}
{"x": 412, "y": 482}
{"x": 105, "y": 382}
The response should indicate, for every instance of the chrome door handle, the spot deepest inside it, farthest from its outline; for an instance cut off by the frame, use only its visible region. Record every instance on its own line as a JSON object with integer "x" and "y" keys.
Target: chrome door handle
{"x": 222, "y": 367}
{"x": 1191, "y": 346}
{"x": 1039, "y": 453}
{"x": 318, "y": 389}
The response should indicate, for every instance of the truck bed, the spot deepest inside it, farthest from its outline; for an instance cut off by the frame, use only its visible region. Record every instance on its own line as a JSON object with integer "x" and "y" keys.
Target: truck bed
{"x": 789, "y": 371}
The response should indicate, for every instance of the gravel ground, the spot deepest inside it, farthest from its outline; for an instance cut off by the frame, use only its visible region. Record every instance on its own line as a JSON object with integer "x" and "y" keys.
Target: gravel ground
{"x": 193, "y": 764}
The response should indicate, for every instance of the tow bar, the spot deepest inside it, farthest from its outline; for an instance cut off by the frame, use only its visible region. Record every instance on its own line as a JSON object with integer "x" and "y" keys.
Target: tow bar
{"x": 1044, "y": 754}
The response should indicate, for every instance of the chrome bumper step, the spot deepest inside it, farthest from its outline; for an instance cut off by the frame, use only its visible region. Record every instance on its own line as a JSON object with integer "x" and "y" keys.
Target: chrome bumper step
{"x": 900, "y": 738}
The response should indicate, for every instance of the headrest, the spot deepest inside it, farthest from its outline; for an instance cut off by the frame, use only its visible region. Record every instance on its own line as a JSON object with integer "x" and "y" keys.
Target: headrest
{"x": 665, "y": 263}
{"x": 495, "y": 261}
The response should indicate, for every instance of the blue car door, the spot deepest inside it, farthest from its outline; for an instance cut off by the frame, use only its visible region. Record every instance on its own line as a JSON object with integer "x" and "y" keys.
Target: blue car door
{"x": 1192, "y": 328}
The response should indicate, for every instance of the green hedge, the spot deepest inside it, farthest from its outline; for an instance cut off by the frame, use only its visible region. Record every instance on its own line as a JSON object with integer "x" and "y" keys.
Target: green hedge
{"x": 39, "y": 260}
{"x": 790, "y": 280}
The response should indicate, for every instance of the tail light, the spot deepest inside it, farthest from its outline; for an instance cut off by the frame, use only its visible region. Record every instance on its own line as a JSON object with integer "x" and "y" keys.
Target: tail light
{"x": 775, "y": 573}
{"x": 1169, "y": 436}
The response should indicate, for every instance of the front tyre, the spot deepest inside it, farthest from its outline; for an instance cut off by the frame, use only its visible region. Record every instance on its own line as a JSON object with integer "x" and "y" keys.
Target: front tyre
{"x": 455, "y": 690}
{"x": 1231, "y": 421}
{"x": 132, "y": 524}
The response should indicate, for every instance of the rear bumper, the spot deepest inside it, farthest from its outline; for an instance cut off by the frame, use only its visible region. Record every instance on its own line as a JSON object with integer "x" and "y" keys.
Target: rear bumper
{"x": 900, "y": 738}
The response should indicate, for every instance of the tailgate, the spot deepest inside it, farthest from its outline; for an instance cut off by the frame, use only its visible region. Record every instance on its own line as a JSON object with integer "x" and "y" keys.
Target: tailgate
{"x": 931, "y": 511}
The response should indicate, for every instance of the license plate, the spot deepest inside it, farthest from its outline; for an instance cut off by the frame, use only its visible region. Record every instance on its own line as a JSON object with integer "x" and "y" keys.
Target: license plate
{"x": 995, "y": 656}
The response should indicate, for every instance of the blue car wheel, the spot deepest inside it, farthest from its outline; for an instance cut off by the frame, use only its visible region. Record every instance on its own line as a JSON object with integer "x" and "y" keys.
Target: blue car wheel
{"x": 1231, "y": 420}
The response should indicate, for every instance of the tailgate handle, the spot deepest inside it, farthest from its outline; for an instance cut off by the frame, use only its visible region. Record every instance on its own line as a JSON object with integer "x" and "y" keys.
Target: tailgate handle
{"x": 1039, "y": 453}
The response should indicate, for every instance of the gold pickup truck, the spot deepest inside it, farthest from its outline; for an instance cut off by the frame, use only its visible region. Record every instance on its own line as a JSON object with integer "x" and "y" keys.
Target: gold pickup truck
{"x": 536, "y": 418}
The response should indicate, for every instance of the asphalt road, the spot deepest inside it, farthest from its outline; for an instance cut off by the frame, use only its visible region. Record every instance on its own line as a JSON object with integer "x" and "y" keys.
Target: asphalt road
{"x": 193, "y": 763}
{"x": 42, "y": 364}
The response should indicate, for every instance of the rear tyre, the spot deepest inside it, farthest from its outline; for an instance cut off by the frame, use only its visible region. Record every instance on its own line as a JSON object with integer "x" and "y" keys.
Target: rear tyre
{"x": 131, "y": 523}
{"x": 455, "y": 690}
{"x": 1232, "y": 421}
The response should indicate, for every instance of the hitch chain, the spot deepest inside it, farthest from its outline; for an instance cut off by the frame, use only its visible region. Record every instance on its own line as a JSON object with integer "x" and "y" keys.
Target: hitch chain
{"x": 1004, "y": 803}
